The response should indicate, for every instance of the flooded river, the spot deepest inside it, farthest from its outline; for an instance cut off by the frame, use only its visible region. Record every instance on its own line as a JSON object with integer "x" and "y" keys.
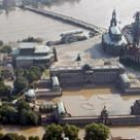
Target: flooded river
{"x": 18, "y": 24}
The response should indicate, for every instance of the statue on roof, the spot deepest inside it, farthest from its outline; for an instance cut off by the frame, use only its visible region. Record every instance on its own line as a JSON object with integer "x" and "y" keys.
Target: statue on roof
{"x": 104, "y": 115}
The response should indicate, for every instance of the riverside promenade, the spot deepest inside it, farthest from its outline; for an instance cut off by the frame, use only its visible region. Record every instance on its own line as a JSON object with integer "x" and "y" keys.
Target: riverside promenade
{"x": 67, "y": 19}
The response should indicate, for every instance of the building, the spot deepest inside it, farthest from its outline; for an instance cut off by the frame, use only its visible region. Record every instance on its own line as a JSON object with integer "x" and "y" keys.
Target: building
{"x": 86, "y": 74}
{"x": 113, "y": 42}
{"x": 29, "y": 54}
{"x": 69, "y": 76}
{"x": 131, "y": 54}
{"x": 30, "y": 95}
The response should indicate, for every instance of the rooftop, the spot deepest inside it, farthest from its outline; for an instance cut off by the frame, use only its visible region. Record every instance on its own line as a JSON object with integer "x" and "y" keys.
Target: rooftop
{"x": 108, "y": 40}
{"x": 115, "y": 30}
{"x": 117, "y": 66}
{"x": 34, "y": 57}
{"x": 27, "y": 45}
{"x": 42, "y": 49}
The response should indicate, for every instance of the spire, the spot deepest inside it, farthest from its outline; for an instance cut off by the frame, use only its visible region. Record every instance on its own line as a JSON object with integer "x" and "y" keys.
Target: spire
{"x": 136, "y": 30}
{"x": 113, "y": 21}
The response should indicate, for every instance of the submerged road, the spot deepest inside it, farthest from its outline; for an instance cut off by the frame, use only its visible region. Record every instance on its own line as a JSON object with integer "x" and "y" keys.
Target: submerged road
{"x": 67, "y": 19}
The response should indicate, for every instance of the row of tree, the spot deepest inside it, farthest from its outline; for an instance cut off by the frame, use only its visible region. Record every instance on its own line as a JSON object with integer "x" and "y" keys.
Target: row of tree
{"x": 57, "y": 132}
{"x": 26, "y": 76}
{"x": 15, "y": 136}
{"x": 92, "y": 132}
{"x": 21, "y": 114}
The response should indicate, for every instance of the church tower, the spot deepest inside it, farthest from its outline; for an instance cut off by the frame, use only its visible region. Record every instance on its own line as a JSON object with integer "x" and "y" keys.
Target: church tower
{"x": 136, "y": 30}
{"x": 113, "y": 21}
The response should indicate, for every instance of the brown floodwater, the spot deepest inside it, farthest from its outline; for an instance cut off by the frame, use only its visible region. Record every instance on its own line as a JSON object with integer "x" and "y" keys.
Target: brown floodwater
{"x": 26, "y": 131}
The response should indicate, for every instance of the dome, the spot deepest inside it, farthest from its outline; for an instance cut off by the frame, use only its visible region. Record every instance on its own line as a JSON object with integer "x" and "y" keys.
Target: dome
{"x": 30, "y": 93}
{"x": 86, "y": 67}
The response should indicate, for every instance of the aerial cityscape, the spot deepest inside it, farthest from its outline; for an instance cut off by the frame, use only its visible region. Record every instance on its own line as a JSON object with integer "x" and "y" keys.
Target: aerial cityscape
{"x": 69, "y": 70}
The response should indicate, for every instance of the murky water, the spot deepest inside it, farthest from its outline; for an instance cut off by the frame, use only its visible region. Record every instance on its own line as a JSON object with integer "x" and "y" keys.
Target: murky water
{"x": 18, "y": 24}
{"x": 26, "y": 131}
{"x": 90, "y": 101}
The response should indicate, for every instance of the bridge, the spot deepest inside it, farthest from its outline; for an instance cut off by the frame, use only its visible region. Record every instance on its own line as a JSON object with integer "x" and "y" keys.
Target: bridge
{"x": 67, "y": 19}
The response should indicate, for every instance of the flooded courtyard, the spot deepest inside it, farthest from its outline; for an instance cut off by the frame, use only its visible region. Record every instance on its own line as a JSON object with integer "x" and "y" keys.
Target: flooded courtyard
{"x": 90, "y": 101}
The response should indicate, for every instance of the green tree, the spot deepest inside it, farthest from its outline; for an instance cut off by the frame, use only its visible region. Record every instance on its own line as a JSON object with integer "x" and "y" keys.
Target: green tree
{"x": 55, "y": 54}
{"x": 4, "y": 90}
{"x": 20, "y": 83}
{"x": 8, "y": 114}
{"x": 33, "y": 138}
{"x": 21, "y": 104}
{"x": 19, "y": 72}
{"x": 96, "y": 132}
{"x": 6, "y": 49}
{"x": 71, "y": 131}
{"x": 13, "y": 136}
{"x": 53, "y": 132}
{"x": 28, "y": 117}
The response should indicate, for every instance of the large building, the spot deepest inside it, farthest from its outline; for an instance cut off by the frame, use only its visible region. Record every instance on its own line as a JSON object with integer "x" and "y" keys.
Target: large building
{"x": 95, "y": 75}
{"x": 113, "y": 42}
{"x": 131, "y": 54}
{"x": 86, "y": 74}
{"x": 29, "y": 54}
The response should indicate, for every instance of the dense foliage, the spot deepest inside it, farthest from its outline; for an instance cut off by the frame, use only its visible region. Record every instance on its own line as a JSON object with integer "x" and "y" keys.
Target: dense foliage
{"x": 21, "y": 114}
{"x": 26, "y": 76}
{"x": 6, "y": 49}
{"x": 4, "y": 90}
{"x": 14, "y": 136}
{"x": 20, "y": 83}
{"x": 58, "y": 132}
{"x": 96, "y": 132}
{"x": 54, "y": 132}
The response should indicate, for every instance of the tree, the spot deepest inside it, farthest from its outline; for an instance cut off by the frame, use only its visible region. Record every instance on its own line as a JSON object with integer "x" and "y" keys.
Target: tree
{"x": 28, "y": 117}
{"x": 20, "y": 83}
{"x": 21, "y": 104}
{"x": 71, "y": 132}
{"x": 8, "y": 114}
{"x": 6, "y": 49}
{"x": 96, "y": 132}
{"x": 13, "y": 136}
{"x": 33, "y": 138}
{"x": 53, "y": 132}
{"x": 4, "y": 90}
